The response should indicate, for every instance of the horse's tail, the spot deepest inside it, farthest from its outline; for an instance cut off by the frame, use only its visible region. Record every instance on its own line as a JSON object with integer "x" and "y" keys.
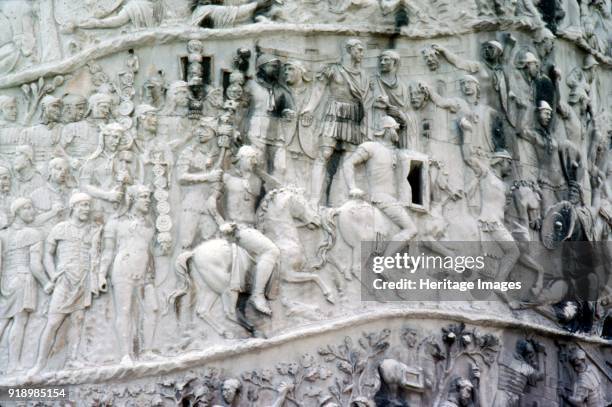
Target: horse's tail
{"x": 328, "y": 223}
{"x": 181, "y": 267}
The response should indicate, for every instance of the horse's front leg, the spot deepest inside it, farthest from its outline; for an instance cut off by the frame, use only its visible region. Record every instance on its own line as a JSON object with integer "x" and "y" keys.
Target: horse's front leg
{"x": 203, "y": 311}
{"x": 293, "y": 276}
{"x": 355, "y": 268}
{"x": 229, "y": 299}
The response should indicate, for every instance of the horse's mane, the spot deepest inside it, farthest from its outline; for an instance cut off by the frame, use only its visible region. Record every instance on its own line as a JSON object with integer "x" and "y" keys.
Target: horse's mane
{"x": 269, "y": 197}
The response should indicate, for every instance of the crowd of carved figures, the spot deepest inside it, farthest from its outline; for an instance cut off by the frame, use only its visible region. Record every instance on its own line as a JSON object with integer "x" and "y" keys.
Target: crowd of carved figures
{"x": 221, "y": 182}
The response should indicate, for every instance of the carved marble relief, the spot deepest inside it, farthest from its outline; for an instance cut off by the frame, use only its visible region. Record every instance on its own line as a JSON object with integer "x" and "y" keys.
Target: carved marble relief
{"x": 185, "y": 187}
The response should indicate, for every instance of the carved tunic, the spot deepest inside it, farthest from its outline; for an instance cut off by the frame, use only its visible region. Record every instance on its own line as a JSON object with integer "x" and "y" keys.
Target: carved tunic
{"x": 18, "y": 285}
{"x": 494, "y": 196}
{"x": 47, "y": 195}
{"x": 9, "y": 138}
{"x": 76, "y": 247}
{"x": 551, "y": 173}
{"x": 267, "y": 102}
{"x": 5, "y": 204}
{"x": 380, "y": 167}
{"x": 43, "y": 139}
{"x": 344, "y": 113}
{"x": 300, "y": 139}
{"x": 196, "y": 159}
{"x": 398, "y": 96}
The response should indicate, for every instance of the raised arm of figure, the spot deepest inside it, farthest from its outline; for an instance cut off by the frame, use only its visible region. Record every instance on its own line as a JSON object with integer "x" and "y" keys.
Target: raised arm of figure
{"x": 456, "y": 60}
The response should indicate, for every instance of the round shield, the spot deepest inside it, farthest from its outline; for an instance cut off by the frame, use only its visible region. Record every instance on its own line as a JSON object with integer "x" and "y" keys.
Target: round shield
{"x": 558, "y": 224}
{"x": 126, "y": 107}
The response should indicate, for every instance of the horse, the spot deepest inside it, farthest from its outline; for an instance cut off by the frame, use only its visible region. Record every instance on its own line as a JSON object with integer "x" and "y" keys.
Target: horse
{"x": 346, "y": 227}
{"x": 276, "y": 215}
{"x": 358, "y": 221}
{"x": 209, "y": 266}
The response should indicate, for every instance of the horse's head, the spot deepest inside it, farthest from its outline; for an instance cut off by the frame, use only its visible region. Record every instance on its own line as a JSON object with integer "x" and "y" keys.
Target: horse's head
{"x": 289, "y": 203}
{"x": 302, "y": 209}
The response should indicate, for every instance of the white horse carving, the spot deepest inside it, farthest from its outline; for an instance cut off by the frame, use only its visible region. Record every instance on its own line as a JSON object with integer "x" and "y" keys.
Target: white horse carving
{"x": 209, "y": 266}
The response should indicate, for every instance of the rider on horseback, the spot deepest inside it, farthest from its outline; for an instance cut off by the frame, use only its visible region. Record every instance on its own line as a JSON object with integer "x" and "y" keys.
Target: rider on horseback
{"x": 241, "y": 187}
{"x": 380, "y": 159}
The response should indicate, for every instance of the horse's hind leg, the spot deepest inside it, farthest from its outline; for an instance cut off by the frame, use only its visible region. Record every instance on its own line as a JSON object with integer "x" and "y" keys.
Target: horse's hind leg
{"x": 203, "y": 311}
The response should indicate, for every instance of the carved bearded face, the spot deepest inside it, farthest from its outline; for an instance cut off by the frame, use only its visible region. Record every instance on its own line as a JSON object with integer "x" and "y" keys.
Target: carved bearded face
{"x": 506, "y": 167}
{"x": 181, "y": 97}
{"x": 469, "y": 88}
{"x": 153, "y": 91}
{"x": 292, "y": 74}
{"x": 58, "y": 172}
{"x": 53, "y": 111}
{"x": 21, "y": 161}
{"x": 532, "y": 69}
{"x": 431, "y": 58}
{"x": 101, "y": 110}
{"x": 544, "y": 117}
{"x": 546, "y": 46}
{"x": 81, "y": 210}
{"x": 74, "y": 111}
{"x": 9, "y": 111}
{"x": 579, "y": 362}
{"x": 26, "y": 213}
{"x": 5, "y": 180}
{"x": 149, "y": 122}
{"x": 229, "y": 391}
{"x": 234, "y": 91}
{"x": 271, "y": 70}
{"x": 417, "y": 98}
{"x": 112, "y": 139}
{"x": 248, "y": 159}
{"x": 205, "y": 134}
{"x": 489, "y": 52}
